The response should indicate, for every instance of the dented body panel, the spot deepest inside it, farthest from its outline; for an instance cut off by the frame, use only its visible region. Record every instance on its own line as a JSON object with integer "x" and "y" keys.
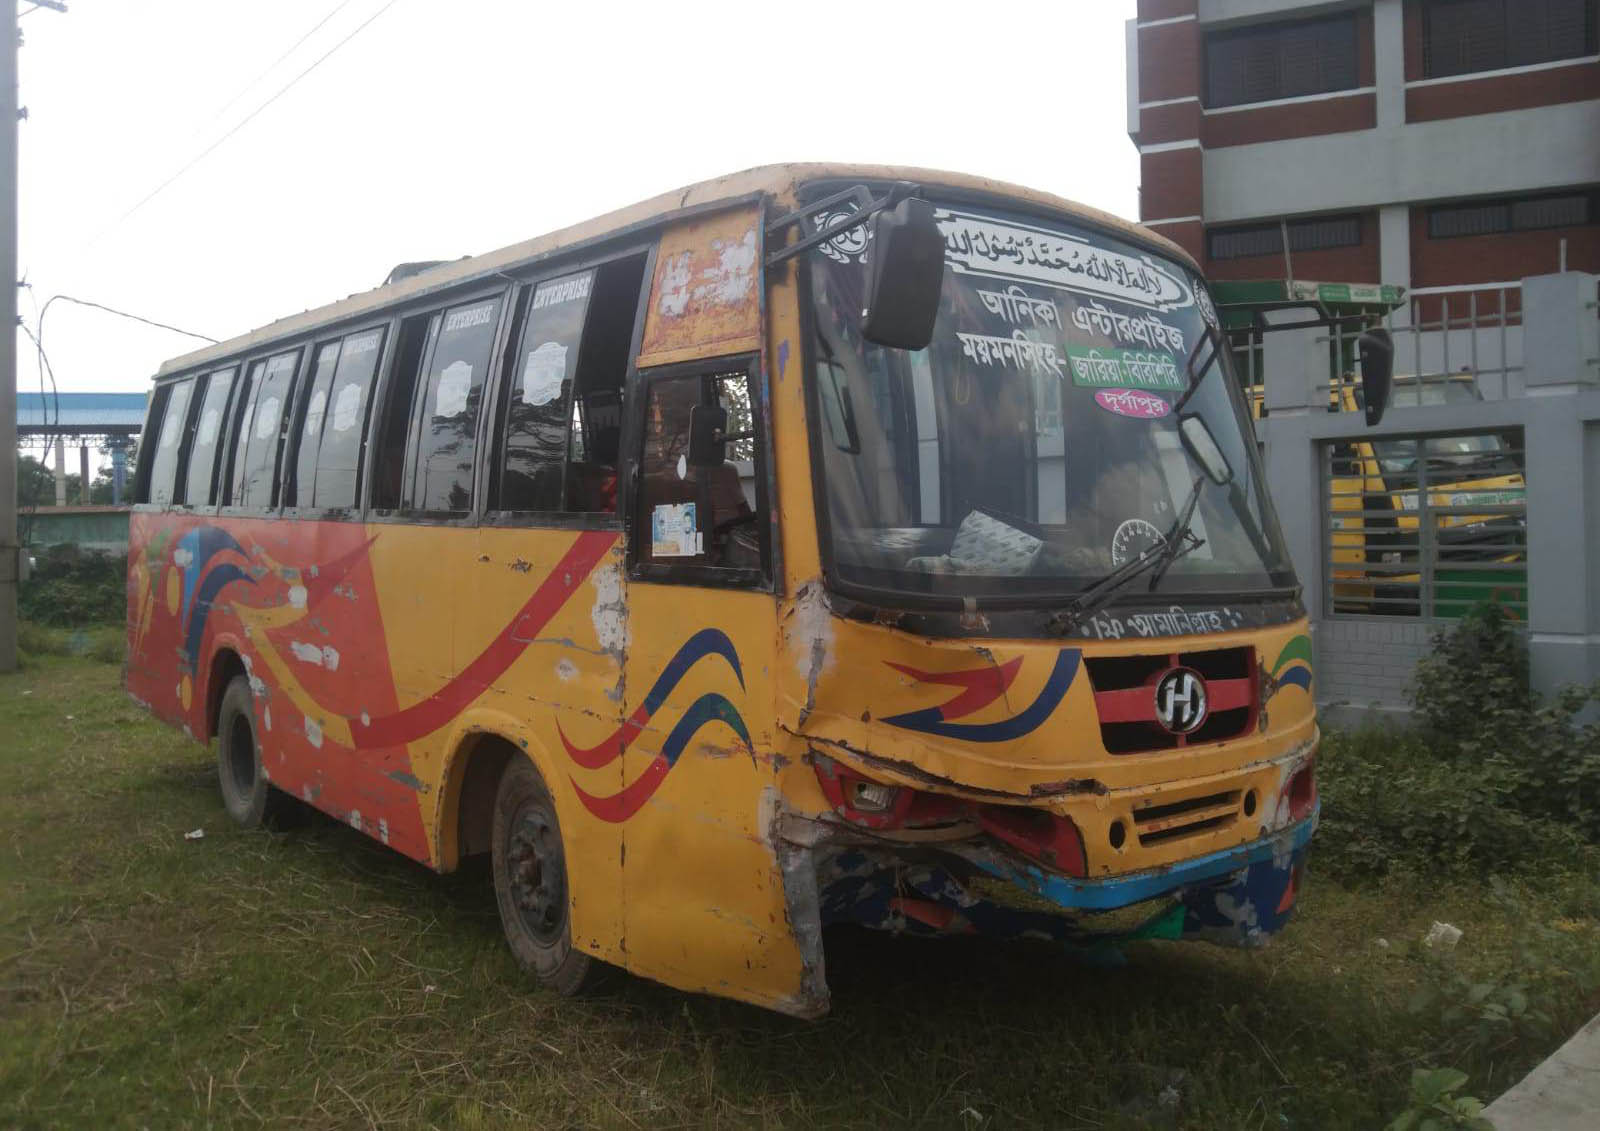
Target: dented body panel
{"x": 706, "y": 744}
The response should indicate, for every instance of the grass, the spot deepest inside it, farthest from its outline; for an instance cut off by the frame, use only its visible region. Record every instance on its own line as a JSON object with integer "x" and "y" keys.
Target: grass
{"x": 313, "y": 978}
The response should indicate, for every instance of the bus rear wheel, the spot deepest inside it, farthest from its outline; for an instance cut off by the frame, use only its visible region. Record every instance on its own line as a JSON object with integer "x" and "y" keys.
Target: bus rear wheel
{"x": 246, "y": 794}
{"x": 530, "y": 881}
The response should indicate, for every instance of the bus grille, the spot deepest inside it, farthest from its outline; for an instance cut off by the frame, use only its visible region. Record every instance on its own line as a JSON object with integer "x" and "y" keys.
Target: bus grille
{"x": 1155, "y": 824}
{"x": 1125, "y": 700}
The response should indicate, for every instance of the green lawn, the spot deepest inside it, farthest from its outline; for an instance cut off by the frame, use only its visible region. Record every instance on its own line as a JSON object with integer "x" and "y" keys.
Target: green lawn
{"x": 313, "y": 978}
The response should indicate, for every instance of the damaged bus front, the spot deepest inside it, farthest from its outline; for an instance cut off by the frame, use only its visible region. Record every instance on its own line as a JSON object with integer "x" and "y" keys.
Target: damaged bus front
{"x": 1054, "y": 679}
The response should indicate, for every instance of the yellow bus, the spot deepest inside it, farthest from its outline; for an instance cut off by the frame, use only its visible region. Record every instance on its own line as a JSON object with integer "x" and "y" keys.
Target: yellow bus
{"x": 819, "y": 544}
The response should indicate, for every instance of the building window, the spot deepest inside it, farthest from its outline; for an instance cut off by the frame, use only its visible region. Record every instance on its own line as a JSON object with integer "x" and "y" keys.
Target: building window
{"x": 1519, "y": 214}
{"x": 1318, "y": 233}
{"x": 1282, "y": 60}
{"x": 1461, "y": 37}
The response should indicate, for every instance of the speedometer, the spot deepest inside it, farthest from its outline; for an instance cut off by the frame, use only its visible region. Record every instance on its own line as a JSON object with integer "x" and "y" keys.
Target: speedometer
{"x": 1132, "y": 538}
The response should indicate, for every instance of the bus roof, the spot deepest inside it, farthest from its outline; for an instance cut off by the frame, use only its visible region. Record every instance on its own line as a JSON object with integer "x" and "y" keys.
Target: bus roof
{"x": 777, "y": 180}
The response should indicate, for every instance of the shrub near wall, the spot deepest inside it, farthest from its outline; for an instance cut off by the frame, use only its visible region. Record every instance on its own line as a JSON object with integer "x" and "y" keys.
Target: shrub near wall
{"x": 70, "y": 587}
{"x": 1491, "y": 777}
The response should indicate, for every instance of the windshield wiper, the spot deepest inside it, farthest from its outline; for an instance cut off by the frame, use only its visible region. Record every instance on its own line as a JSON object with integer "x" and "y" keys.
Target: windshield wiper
{"x": 1177, "y": 542}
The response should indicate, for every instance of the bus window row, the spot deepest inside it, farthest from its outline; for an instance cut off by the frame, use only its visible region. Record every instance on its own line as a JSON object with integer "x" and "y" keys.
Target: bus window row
{"x": 292, "y": 429}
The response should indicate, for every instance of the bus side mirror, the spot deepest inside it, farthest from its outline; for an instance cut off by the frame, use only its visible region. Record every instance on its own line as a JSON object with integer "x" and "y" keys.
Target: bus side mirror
{"x": 905, "y": 275}
{"x": 708, "y": 435}
{"x": 1376, "y": 348}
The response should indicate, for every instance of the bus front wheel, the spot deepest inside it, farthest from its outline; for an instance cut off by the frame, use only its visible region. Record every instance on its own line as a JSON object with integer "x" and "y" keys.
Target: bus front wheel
{"x": 530, "y": 881}
{"x": 247, "y": 795}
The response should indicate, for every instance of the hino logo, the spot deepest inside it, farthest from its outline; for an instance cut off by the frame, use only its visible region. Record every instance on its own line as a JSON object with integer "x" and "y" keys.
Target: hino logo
{"x": 1181, "y": 701}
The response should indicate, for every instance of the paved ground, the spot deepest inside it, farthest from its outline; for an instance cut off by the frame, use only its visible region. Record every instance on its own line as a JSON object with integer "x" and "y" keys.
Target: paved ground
{"x": 1562, "y": 1094}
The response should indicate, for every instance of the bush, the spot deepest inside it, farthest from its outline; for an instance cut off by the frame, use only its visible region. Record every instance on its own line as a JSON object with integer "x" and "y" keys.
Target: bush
{"x": 1490, "y": 777}
{"x": 72, "y": 587}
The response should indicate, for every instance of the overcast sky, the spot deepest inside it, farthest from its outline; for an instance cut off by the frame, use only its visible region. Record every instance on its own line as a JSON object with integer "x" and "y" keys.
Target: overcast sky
{"x": 455, "y": 127}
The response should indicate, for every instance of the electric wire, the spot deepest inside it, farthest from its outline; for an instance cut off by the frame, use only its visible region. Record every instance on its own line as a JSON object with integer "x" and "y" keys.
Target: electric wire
{"x": 39, "y": 317}
{"x": 246, "y": 120}
{"x": 268, "y": 69}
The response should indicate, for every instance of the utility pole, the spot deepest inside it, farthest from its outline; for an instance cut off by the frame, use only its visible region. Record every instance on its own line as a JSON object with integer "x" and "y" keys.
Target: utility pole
{"x": 10, "y": 552}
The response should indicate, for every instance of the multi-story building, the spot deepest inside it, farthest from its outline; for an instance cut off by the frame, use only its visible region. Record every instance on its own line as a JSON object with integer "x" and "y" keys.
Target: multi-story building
{"x": 1429, "y": 143}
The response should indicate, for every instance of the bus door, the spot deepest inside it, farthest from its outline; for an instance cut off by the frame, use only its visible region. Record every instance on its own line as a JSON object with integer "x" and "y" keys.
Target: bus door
{"x": 702, "y": 890}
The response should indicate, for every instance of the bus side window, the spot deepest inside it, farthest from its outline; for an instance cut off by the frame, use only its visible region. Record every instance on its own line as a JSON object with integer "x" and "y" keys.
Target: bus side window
{"x": 338, "y": 456}
{"x": 173, "y": 412}
{"x": 390, "y": 432}
{"x": 450, "y": 396}
{"x": 701, "y": 516}
{"x": 300, "y": 460}
{"x": 619, "y": 290}
{"x": 560, "y": 424}
{"x": 539, "y": 407}
{"x": 260, "y": 429}
{"x": 200, "y": 475}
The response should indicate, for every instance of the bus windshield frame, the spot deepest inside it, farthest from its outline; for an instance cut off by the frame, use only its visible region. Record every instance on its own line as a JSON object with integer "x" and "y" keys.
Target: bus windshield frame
{"x": 1210, "y": 379}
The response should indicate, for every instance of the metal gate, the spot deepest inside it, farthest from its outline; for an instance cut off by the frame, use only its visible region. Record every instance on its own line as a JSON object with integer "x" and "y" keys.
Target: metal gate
{"x": 1424, "y": 526}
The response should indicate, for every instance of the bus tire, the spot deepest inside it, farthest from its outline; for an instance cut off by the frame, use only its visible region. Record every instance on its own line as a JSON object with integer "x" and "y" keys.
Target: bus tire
{"x": 530, "y": 881}
{"x": 248, "y": 797}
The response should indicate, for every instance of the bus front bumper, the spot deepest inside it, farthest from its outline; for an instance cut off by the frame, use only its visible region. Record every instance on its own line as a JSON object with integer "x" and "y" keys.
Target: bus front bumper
{"x": 1239, "y": 896}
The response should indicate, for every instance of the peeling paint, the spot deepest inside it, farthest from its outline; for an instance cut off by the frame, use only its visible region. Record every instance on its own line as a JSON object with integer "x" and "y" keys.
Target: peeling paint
{"x": 730, "y": 280}
{"x": 810, "y": 631}
{"x": 409, "y": 780}
{"x": 610, "y": 610}
{"x": 566, "y": 670}
{"x": 313, "y": 732}
{"x": 297, "y": 596}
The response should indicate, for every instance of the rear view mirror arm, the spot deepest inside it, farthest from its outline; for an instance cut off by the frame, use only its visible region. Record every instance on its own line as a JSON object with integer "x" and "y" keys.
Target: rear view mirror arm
{"x": 866, "y": 209}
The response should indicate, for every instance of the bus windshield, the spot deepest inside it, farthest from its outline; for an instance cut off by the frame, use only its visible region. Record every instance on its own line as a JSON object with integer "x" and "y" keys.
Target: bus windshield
{"x": 1034, "y": 446}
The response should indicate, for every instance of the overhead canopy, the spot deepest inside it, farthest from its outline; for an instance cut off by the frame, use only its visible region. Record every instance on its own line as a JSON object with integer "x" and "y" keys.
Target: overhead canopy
{"x": 1241, "y": 302}
{"x": 80, "y": 414}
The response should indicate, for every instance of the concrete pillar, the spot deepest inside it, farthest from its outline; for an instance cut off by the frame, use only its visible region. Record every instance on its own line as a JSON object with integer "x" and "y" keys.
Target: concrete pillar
{"x": 83, "y": 474}
{"x": 1562, "y": 344}
{"x": 1394, "y": 253}
{"x": 1293, "y": 364}
{"x": 1389, "y": 57}
{"x": 61, "y": 472}
{"x": 1561, "y": 333}
{"x": 1294, "y": 373}
{"x": 119, "y": 469}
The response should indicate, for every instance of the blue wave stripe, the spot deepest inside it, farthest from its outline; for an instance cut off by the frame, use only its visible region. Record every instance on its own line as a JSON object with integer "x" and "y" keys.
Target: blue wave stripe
{"x": 1298, "y": 674}
{"x": 709, "y": 708}
{"x": 706, "y": 642}
{"x": 203, "y": 543}
{"x": 930, "y": 721}
{"x": 209, "y": 588}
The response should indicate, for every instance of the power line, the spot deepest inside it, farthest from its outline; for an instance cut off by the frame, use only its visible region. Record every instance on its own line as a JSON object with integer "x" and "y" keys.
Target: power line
{"x": 39, "y": 318}
{"x": 246, "y": 120}
{"x": 249, "y": 86}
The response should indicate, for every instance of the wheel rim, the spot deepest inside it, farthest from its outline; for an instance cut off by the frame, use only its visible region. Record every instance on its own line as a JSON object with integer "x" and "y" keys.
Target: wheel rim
{"x": 537, "y": 872}
{"x": 242, "y": 755}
